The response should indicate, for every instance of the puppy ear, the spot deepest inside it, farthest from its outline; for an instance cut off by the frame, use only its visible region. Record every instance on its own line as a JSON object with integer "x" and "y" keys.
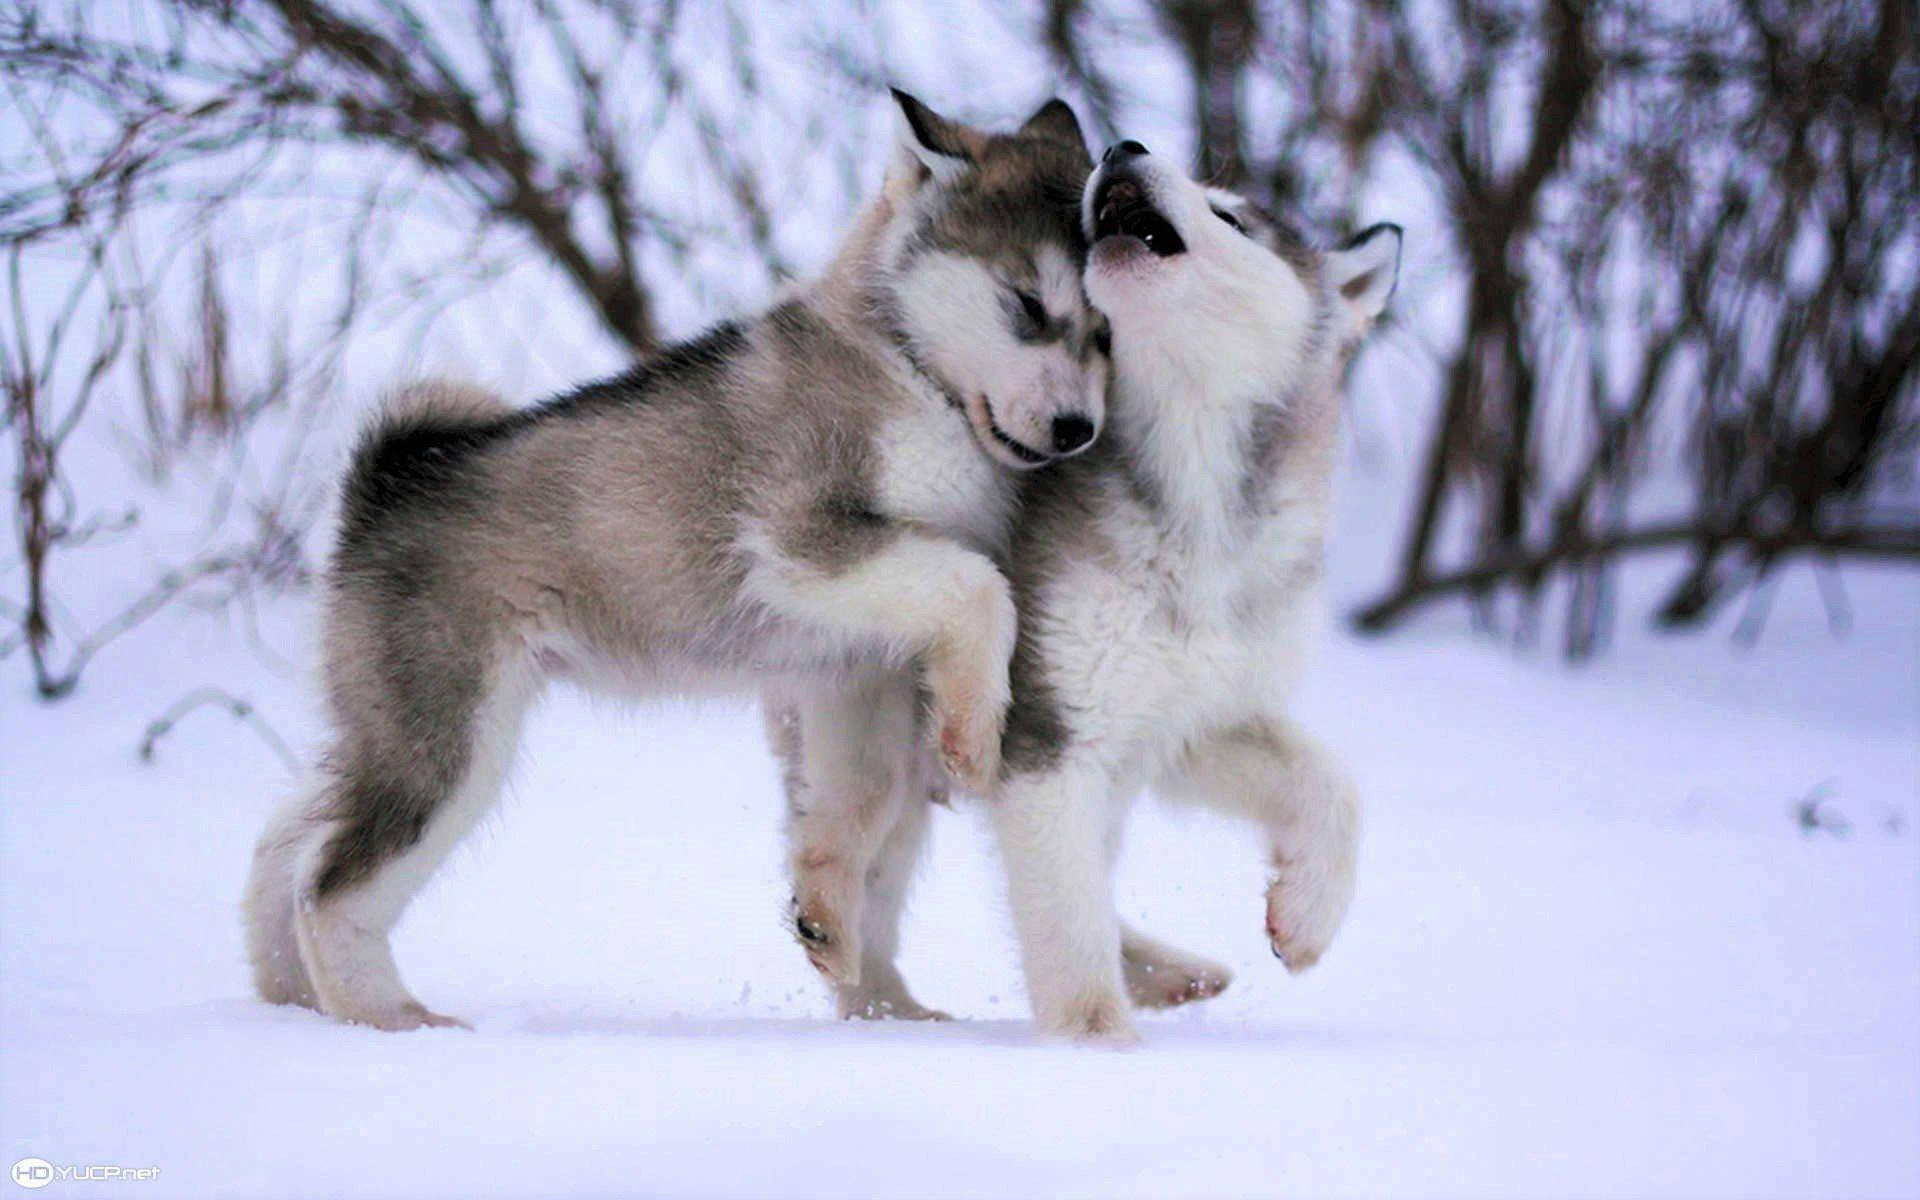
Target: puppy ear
{"x": 943, "y": 148}
{"x": 1055, "y": 122}
{"x": 1365, "y": 270}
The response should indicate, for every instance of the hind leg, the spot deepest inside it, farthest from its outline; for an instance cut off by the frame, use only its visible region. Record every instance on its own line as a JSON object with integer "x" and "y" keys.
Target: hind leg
{"x": 881, "y": 993}
{"x": 849, "y": 749}
{"x": 1163, "y": 976}
{"x": 389, "y": 823}
{"x": 272, "y": 944}
{"x": 1158, "y": 975}
{"x": 1272, "y": 773}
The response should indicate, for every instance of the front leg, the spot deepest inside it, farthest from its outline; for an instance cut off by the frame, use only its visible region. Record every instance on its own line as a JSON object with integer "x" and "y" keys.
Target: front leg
{"x": 882, "y": 994}
{"x": 847, "y": 749}
{"x": 1271, "y": 773}
{"x": 902, "y": 594}
{"x": 859, "y": 786}
{"x": 1053, "y": 831}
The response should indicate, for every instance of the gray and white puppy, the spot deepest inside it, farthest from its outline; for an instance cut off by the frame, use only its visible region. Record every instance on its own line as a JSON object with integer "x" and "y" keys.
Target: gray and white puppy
{"x": 809, "y": 494}
{"x": 1167, "y": 583}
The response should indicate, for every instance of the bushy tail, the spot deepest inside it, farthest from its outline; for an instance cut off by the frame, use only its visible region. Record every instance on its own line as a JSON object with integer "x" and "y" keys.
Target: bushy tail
{"x": 446, "y": 402}
{"x": 424, "y": 433}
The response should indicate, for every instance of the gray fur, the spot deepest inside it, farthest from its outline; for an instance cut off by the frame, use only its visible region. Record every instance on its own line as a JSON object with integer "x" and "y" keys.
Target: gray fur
{"x": 1057, "y": 521}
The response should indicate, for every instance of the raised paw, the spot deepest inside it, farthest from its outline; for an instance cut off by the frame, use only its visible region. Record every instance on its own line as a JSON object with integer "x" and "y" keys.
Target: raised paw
{"x": 967, "y": 680}
{"x": 970, "y": 744}
{"x": 1304, "y": 911}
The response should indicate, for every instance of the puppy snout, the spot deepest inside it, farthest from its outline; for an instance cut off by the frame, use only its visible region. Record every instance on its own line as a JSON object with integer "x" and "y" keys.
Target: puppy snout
{"x": 1122, "y": 151}
{"x": 1071, "y": 432}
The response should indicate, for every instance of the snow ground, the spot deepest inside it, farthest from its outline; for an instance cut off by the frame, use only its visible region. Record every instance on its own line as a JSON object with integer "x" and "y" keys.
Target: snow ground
{"x": 1593, "y": 953}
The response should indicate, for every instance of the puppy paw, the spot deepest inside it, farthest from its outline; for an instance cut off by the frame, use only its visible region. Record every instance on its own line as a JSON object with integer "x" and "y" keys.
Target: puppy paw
{"x": 859, "y": 1006}
{"x": 1305, "y": 909}
{"x": 1171, "y": 983}
{"x": 407, "y": 1017}
{"x": 970, "y": 729}
{"x": 967, "y": 679}
{"x": 833, "y": 951}
{"x": 1102, "y": 1022}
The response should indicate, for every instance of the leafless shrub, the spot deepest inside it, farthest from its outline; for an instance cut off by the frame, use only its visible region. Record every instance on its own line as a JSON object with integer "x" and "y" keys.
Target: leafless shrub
{"x": 239, "y": 709}
{"x": 165, "y": 142}
{"x": 1752, "y": 169}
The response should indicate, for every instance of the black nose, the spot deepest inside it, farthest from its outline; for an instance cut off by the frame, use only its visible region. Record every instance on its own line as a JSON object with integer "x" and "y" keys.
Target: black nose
{"x": 1121, "y": 151}
{"x": 1070, "y": 433}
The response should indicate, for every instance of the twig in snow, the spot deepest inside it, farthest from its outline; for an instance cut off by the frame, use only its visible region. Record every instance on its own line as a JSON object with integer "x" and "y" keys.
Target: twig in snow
{"x": 213, "y": 697}
{"x": 1813, "y": 815}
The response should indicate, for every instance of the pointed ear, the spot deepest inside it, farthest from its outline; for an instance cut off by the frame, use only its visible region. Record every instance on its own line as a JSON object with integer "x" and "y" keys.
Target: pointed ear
{"x": 1365, "y": 270}
{"x": 1055, "y": 121}
{"x": 945, "y": 148}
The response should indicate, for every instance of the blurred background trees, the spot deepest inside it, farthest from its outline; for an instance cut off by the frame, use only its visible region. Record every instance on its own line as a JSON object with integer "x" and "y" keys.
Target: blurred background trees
{"x": 1685, "y": 226}
{"x": 1663, "y": 286}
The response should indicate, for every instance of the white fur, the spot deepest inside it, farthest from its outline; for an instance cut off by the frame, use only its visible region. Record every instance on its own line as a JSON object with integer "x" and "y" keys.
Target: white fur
{"x": 1178, "y": 653}
{"x": 962, "y": 495}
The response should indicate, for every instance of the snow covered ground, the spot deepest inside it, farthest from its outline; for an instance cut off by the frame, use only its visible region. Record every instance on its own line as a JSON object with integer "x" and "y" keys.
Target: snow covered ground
{"x": 1594, "y": 953}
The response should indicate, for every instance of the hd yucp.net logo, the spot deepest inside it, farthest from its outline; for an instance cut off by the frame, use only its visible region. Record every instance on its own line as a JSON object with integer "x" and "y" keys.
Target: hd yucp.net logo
{"x": 38, "y": 1173}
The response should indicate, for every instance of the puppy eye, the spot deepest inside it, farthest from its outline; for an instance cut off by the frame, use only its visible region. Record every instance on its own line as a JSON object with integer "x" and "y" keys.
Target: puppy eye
{"x": 1103, "y": 341}
{"x": 1230, "y": 219}
{"x": 1033, "y": 312}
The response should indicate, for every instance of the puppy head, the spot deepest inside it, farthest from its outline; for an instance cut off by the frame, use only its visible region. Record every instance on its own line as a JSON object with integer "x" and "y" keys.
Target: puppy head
{"x": 983, "y": 263}
{"x": 1202, "y": 275}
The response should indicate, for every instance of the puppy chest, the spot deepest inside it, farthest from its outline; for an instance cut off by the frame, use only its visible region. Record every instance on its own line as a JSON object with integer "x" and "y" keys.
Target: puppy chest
{"x": 930, "y": 471}
{"x": 1239, "y": 643}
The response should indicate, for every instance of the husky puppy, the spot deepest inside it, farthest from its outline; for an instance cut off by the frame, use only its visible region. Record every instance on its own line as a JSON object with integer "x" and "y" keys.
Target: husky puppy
{"x": 1167, "y": 586}
{"x": 815, "y": 493}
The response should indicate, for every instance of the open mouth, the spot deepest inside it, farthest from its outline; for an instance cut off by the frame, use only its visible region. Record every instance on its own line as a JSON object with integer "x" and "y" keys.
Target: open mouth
{"x": 1121, "y": 209}
{"x": 1032, "y": 458}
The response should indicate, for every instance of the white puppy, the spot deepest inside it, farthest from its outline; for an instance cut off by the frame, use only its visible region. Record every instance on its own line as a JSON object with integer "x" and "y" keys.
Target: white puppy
{"x": 1167, "y": 583}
